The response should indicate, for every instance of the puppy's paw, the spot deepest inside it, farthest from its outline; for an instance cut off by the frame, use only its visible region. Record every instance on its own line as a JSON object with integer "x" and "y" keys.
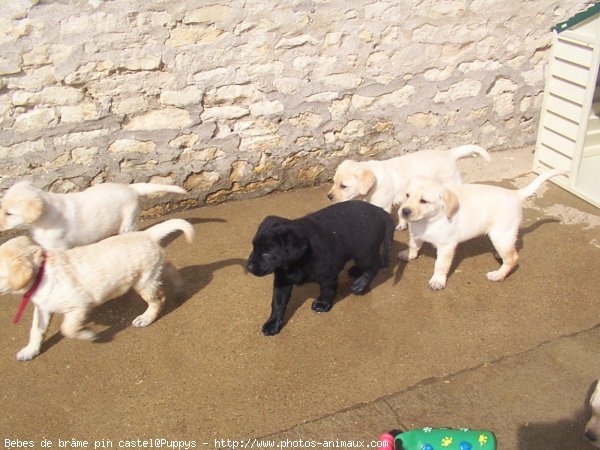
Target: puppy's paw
{"x": 437, "y": 282}
{"x": 272, "y": 327}
{"x": 85, "y": 335}
{"x": 359, "y": 286}
{"x": 496, "y": 275}
{"x": 141, "y": 321}
{"x": 27, "y": 353}
{"x": 402, "y": 225}
{"x": 407, "y": 255}
{"x": 321, "y": 306}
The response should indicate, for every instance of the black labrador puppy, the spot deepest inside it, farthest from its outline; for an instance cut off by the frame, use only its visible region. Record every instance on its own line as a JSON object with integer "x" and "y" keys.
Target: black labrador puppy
{"x": 316, "y": 248}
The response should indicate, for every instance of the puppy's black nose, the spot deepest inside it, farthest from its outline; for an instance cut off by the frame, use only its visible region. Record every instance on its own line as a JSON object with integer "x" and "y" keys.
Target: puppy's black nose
{"x": 330, "y": 196}
{"x": 590, "y": 436}
{"x": 406, "y": 212}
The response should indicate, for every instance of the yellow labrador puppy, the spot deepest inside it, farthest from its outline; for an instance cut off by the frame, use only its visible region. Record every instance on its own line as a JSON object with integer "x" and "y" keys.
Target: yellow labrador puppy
{"x": 61, "y": 221}
{"x": 71, "y": 282}
{"x": 447, "y": 216}
{"x": 383, "y": 183}
{"x": 592, "y": 429}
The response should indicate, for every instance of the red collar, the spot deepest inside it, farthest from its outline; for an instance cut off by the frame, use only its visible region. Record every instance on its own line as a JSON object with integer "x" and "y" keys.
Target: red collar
{"x": 31, "y": 292}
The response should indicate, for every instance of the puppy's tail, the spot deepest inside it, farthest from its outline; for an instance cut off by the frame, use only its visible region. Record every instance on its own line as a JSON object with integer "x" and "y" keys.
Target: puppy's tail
{"x": 468, "y": 150}
{"x": 157, "y": 232}
{"x": 153, "y": 188}
{"x": 535, "y": 184}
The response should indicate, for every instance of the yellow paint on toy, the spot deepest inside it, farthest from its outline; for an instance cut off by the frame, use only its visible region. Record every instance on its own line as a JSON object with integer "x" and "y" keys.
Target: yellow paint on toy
{"x": 446, "y": 442}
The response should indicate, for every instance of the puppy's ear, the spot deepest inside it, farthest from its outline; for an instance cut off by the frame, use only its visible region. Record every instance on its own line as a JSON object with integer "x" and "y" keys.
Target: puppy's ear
{"x": 31, "y": 208}
{"x": 294, "y": 246}
{"x": 450, "y": 202}
{"x": 366, "y": 180}
{"x": 23, "y": 257}
{"x": 21, "y": 273}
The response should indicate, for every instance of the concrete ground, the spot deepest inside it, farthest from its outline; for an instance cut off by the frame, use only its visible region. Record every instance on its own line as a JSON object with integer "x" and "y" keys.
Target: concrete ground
{"x": 518, "y": 357}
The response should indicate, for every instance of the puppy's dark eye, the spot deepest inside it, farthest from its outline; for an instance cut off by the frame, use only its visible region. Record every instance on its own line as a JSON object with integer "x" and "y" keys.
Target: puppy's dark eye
{"x": 343, "y": 186}
{"x": 407, "y": 195}
{"x": 423, "y": 201}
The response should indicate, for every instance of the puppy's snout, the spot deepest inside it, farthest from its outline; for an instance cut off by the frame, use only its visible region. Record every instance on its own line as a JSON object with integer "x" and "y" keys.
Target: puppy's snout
{"x": 591, "y": 436}
{"x": 406, "y": 212}
{"x": 250, "y": 265}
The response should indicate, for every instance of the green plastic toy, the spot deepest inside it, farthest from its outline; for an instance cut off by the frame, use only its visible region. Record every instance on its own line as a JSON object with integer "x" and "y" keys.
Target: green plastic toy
{"x": 439, "y": 439}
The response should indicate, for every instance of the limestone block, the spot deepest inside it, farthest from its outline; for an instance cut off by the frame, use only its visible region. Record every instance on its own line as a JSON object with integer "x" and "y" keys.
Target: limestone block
{"x": 12, "y": 30}
{"x": 84, "y": 74}
{"x": 33, "y": 80}
{"x": 201, "y": 181}
{"x": 462, "y": 89}
{"x": 135, "y": 167}
{"x": 84, "y": 111}
{"x": 224, "y": 112}
{"x": 339, "y": 108}
{"x": 184, "y": 141}
{"x": 423, "y": 120}
{"x": 307, "y": 119}
{"x": 77, "y": 24}
{"x": 141, "y": 62}
{"x": 131, "y": 145}
{"x": 398, "y": 98}
{"x": 502, "y": 85}
{"x": 9, "y": 66}
{"x": 333, "y": 38}
{"x": 53, "y": 95}
{"x": 162, "y": 119}
{"x": 255, "y": 127}
{"x": 326, "y": 96}
{"x": 240, "y": 170}
{"x": 265, "y": 165}
{"x": 192, "y": 35}
{"x": 6, "y": 112}
{"x": 297, "y": 41}
{"x": 377, "y": 148}
{"x": 233, "y": 94}
{"x": 206, "y": 154}
{"x": 264, "y": 143}
{"x": 287, "y": 85}
{"x": 534, "y": 77}
{"x": 381, "y": 127}
{"x": 310, "y": 174}
{"x": 210, "y": 14}
{"x": 438, "y": 74}
{"x": 84, "y": 155}
{"x": 17, "y": 9}
{"x": 352, "y": 130}
{"x": 504, "y": 104}
{"x": 80, "y": 139}
{"x": 21, "y": 149}
{"x": 218, "y": 73}
{"x": 525, "y": 103}
{"x": 266, "y": 108}
{"x": 343, "y": 80}
{"x": 365, "y": 35}
{"x": 489, "y": 66}
{"x": 377, "y": 60}
{"x": 191, "y": 95}
{"x": 129, "y": 105}
{"x": 36, "y": 119}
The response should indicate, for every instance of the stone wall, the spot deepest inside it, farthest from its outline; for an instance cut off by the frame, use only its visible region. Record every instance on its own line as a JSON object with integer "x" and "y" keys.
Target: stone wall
{"x": 244, "y": 97}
